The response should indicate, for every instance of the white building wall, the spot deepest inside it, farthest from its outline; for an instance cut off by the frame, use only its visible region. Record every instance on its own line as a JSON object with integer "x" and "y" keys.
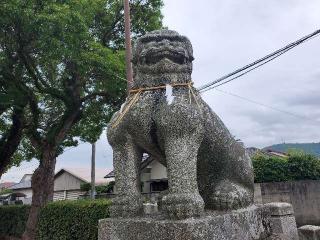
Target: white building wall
{"x": 158, "y": 171}
{"x": 66, "y": 181}
{"x": 145, "y": 179}
{"x": 27, "y": 192}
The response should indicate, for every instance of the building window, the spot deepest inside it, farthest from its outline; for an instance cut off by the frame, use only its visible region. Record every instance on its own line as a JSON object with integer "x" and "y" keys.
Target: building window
{"x": 159, "y": 186}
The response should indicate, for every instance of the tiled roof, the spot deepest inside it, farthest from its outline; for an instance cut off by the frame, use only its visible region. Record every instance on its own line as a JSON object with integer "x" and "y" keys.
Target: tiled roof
{"x": 21, "y": 185}
{"x": 110, "y": 175}
{"x": 85, "y": 174}
{"x": 82, "y": 173}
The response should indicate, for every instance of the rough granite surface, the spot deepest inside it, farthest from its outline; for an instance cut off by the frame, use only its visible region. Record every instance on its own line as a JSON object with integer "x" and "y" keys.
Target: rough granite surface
{"x": 280, "y": 208}
{"x": 282, "y": 221}
{"x": 207, "y": 167}
{"x": 245, "y": 224}
{"x": 309, "y": 232}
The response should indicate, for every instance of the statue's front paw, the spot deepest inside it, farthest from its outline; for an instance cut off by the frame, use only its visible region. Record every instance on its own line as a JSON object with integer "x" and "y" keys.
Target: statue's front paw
{"x": 230, "y": 196}
{"x": 126, "y": 206}
{"x": 181, "y": 206}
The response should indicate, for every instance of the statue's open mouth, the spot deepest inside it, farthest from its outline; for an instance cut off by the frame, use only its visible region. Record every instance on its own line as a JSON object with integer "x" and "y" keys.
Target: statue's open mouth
{"x": 174, "y": 56}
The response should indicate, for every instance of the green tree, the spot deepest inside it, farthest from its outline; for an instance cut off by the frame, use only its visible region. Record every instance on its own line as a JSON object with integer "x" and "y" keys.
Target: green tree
{"x": 297, "y": 166}
{"x": 270, "y": 169}
{"x": 303, "y": 166}
{"x": 12, "y": 107}
{"x": 70, "y": 55}
{"x": 5, "y": 191}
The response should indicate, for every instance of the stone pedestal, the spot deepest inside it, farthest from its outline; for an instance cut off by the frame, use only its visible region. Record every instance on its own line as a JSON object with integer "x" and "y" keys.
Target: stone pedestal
{"x": 246, "y": 224}
{"x": 309, "y": 232}
{"x": 283, "y": 222}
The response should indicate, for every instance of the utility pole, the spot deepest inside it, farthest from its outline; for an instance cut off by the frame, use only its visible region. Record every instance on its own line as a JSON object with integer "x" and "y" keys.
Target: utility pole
{"x": 93, "y": 170}
{"x": 128, "y": 44}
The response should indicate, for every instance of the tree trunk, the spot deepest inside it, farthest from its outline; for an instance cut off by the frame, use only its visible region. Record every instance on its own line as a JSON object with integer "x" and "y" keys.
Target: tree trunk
{"x": 93, "y": 170}
{"x": 9, "y": 143}
{"x": 42, "y": 191}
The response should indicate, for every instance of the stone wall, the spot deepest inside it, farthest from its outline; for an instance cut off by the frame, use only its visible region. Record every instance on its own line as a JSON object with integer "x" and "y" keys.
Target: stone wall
{"x": 303, "y": 195}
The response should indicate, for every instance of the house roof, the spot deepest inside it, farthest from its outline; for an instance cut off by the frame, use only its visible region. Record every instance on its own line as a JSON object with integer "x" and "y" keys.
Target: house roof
{"x": 146, "y": 160}
{"x": 6, "y": 185}
{"x": 110, "y": 174}
{"x": 21, "y": 185}
{"x": 26, "y": 177}
{"x": 24, "y": 183}
{"x": 84, "y": 174}
{"x": 269, "y": 152}
{"x": 275, "y": 153}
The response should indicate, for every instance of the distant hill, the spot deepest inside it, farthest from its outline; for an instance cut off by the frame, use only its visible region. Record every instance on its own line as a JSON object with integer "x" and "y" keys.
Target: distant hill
{"x": 313, "y": 148}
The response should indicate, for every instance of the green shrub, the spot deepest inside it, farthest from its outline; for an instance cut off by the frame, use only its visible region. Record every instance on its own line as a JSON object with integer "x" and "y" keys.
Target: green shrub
{"x": 13, "y": 220}
{"x": 105, "y": 188}
{"x": 303, "y": 166}
{"x": 66, "y": 220}
{"x": 297, "y": 166}
{"x": 86, "y": 187}
{"x": 270, "y": 169}
{"x": 5, "y": 191}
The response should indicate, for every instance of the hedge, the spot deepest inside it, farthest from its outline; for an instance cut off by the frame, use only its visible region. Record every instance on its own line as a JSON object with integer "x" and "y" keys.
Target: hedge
{"x": 63, "y": 220}
{"x": 13, "y": 220}
{"x": 67, "y": 220}
{"x": 297, "y": 166}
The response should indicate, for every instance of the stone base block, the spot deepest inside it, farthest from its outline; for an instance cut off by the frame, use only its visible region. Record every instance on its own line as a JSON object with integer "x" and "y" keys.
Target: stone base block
{"x": 309, "y": 232}
{"x": 246, "y": 224}
{"x": 283, "y": 222}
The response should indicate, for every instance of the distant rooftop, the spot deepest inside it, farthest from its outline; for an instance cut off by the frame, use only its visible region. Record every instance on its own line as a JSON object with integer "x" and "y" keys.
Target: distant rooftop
{"x": 21, "y": 185}
{"x": 85, "y": 174}
{"x": 26, "y": 178}
{"x": 6, "y": 185}
{"x": 252, "y": 151}
{"x": 24, "y": 183}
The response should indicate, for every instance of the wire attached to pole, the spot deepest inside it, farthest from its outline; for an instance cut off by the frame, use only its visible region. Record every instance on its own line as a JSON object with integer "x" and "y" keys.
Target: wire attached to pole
{"x": 258, "y": 62}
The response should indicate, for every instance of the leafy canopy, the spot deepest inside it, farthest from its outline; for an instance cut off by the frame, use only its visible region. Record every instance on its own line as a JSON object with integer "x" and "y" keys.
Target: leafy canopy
{"x": 67, "y": 57}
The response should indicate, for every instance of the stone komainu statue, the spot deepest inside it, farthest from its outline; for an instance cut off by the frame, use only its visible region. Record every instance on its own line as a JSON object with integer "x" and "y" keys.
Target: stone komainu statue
{"x": 207, "y": 168}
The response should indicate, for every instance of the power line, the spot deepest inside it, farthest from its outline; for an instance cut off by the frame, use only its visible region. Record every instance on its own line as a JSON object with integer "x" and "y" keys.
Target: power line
{"x": 259, "y": 62}
{"x": 244, "y": 73}
{"x": 267, "y": 106}
{"x": 278, "y": 55}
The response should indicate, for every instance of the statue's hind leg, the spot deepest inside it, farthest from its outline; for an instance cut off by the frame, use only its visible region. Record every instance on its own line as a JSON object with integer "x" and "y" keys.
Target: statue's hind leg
{"x": 235, "y": 190}
{"x": 229, "y": 195}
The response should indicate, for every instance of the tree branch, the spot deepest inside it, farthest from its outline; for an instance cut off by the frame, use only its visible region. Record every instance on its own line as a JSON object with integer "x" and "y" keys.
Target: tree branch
{"x": 107, "y": 34}
{"x": 35, "y": 75}
{"x": 94, "y": 95}
{"x": 10, "y": 142}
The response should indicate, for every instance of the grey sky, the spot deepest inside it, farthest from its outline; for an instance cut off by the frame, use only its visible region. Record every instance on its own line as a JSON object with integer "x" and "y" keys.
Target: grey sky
{"x": 227, "y": 35}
